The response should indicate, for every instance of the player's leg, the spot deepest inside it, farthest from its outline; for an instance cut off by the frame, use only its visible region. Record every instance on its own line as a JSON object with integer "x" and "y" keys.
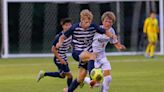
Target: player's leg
{"x": 67, "y": 73}
{"x": 59, "y": 74}
{"x": 89, "y": 57}
{"x": 148, "y": 48}
{"x": 153, "y": 42}
{"x": 82, "y": 71}
{"x": 107, "y": 75}
{"x": 80, "y": 78}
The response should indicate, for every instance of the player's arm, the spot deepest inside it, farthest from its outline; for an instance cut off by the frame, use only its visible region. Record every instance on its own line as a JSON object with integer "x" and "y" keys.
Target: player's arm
{"x": 116, "y": 43}
{"x": 67, "y": 34}
{"x": 157, "y": 26}
{"x": 103, "y": 31}
{"x": 119, "y": 46}
{"x": 55, "y": 51}
{"x": 145, "y": 26}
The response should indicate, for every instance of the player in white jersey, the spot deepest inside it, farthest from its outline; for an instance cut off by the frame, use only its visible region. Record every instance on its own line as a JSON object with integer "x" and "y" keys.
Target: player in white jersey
{"x": 99, "y": 45}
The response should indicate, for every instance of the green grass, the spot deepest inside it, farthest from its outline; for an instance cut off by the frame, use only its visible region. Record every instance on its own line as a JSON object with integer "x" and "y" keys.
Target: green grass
{"x": 129, "y": 73}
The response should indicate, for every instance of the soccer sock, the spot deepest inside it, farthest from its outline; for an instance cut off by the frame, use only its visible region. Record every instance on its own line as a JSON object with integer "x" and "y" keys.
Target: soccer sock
{"x": 52, "y": 74}
{"x": 69, "y": 81}
{"x": 87, "y": 80}
{"x": 106, "y": 81}
{"x": 90, "y": 66}
{"x": 73, "y": 86}
{"x": 152, "y": 50}
{"x": 148, "y": 49}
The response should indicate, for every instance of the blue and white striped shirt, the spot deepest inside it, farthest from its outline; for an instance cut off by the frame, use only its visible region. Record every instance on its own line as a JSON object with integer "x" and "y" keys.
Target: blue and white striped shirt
{"x": 82, "y": 39}
{"x": 63, "y": 49}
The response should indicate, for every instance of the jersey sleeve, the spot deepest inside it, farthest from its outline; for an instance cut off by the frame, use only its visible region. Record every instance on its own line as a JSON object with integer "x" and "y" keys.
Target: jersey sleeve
{"x": 69, "y": 32}
{"x": 56, "y": 39}
{"x": 111, "y": 40}
{"x": 99, "y": 29}
{"x": 145, "y": 26}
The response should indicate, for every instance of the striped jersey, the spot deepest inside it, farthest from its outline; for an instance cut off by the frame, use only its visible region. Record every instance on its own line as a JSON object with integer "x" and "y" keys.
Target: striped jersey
{"x": 82, "y": 38}
{"x": 100, "y": 41}
{"x": 63, "y": 49}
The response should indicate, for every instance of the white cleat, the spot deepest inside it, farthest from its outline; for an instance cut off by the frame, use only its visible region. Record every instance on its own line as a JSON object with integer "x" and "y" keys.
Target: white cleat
{"x": 40, "y": 76}
{"x": 65, "y": 90}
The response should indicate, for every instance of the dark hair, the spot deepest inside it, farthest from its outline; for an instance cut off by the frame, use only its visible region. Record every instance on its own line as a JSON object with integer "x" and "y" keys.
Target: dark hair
{"x": 152, "y": 12}
{"x": 65, "y": 20}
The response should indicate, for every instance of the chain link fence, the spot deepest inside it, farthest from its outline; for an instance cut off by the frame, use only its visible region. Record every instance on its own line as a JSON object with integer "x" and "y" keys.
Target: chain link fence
{"x": 32, "y": 26}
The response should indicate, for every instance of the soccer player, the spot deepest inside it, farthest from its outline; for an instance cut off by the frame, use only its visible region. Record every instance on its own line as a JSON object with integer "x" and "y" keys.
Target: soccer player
{"x": 82, "y": 37}
{"x": 60, "y": 58}
{"x": 151, "y": 30}
{"x": 99, "y": 45}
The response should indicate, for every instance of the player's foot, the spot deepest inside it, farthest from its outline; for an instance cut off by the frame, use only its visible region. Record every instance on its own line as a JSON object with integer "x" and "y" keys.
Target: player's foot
{"x": 94, "y": 83}
{"x": 147, "y": 56}
{"x": 153, "y": 57}
{"x": 40, "y": 76}
{"x": 65, "y": 90}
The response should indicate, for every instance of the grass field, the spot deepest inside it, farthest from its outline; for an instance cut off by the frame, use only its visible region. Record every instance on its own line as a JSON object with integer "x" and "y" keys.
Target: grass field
{"x": 130, "y": 74}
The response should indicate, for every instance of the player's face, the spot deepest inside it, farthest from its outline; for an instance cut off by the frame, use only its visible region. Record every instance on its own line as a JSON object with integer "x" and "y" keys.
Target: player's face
{"x": 107, "y": 23}
{"x": 85, "y": 22}
{"x": 66, "y": 26}
{"x": 153, "y": 15}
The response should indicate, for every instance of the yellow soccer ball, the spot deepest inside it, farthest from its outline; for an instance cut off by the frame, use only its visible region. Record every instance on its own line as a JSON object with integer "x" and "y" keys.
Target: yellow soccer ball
{"x": 97, "y": 74}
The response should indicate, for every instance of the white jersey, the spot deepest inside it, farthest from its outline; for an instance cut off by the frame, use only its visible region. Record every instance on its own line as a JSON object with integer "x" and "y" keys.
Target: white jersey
{"x": 100, "y": 41}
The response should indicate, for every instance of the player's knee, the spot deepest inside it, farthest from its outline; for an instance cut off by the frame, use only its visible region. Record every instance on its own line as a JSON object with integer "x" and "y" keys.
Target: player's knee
{"x": 85, "y": 56}
{"x": 106, "y": 72}
{"x": 69, "y": 75}
{"x": 93, "y": 56}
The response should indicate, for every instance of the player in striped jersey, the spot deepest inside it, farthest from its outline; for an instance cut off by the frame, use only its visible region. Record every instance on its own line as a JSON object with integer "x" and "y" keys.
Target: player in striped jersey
{"x": 60, "y": 58}
{"x": 82, "y": 37}
{"x": 99, "y": 45}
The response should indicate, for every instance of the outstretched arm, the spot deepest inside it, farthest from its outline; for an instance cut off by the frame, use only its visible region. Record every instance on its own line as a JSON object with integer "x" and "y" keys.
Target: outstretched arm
{"x": 119, "y": 46}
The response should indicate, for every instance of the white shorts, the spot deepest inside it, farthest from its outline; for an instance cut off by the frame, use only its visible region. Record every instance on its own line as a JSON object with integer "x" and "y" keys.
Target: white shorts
{"x": 103, "y": 63}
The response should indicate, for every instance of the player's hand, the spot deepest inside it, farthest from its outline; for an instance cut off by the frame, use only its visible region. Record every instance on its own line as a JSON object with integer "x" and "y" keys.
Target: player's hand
{"x": 58, "y": 45}
{"x": 120, "y": 47}
{"x": 63, "y": 62}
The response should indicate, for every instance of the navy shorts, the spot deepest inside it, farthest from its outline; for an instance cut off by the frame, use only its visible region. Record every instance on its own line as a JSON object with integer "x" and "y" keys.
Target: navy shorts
{"x": 75, "y": 55}
{"x": 62, "y": 68}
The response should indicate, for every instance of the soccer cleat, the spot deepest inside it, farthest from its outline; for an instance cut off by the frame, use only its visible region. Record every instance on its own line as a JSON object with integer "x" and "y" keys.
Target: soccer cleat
{"x": 40, "y": 76}
{"x": 146, "y": 56}
{"x": 65, "y": 90}
{"x": 94, "y": 84}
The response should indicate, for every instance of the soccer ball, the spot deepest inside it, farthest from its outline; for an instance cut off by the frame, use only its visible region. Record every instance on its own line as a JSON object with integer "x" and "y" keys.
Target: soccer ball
{"x": 97, "y": 74}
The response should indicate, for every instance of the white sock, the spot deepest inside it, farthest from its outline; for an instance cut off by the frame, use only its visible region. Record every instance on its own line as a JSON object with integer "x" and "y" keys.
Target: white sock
{"x": 87, "y": 80}
{"x": 106, "y": 82}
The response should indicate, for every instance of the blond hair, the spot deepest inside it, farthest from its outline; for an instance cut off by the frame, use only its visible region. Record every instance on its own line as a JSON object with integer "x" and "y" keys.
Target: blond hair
{"x": 109, "y": 15}
{"x": 86, "y": 13}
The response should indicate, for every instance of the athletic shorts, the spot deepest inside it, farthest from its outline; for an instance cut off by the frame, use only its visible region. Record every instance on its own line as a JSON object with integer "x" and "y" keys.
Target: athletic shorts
{"x": 152, "y": 37}
{"x": 62, "y": 68}
{"x": 75, "y": 55}
{"x": 103, "y": 63}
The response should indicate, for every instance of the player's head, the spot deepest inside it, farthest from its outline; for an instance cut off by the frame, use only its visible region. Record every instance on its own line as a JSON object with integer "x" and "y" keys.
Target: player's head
{"x": 86, "y": 17}
{"x": 66, "y": 23}
{"x": 153, "y": 14}
{"x": 108, "y": 18}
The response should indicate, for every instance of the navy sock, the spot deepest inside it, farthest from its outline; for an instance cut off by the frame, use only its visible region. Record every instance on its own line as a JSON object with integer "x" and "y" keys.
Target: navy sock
{"x": 69, "y": 81}
{"x": 90, "y": 65}
{"x": 73, "y": 86}
{"x": 52, "y": 74}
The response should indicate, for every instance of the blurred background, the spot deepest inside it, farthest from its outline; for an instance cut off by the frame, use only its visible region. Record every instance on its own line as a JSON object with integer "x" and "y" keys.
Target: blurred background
{"x": 33, "y": 25}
